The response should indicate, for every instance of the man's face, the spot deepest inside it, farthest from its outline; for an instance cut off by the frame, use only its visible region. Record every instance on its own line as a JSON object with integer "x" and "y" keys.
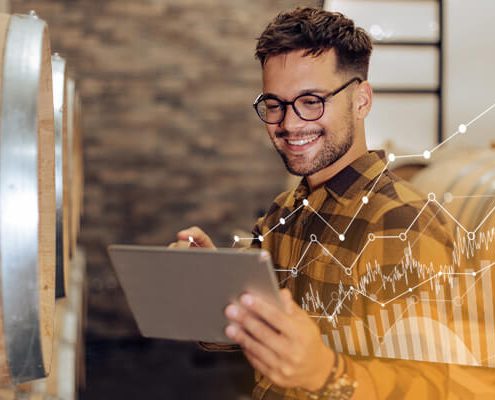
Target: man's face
{"x": 309, "y": 146}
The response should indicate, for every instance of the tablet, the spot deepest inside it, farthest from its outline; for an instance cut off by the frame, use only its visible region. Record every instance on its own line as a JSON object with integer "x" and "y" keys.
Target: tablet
{"x": 181, "y": 294}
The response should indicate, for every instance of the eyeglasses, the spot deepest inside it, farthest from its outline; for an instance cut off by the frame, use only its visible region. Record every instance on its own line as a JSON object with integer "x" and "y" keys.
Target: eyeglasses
{"x": 307, "y": 106}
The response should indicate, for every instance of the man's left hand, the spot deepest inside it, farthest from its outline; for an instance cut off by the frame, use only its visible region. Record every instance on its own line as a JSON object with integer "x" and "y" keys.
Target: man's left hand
{"x": 284, "y": 345}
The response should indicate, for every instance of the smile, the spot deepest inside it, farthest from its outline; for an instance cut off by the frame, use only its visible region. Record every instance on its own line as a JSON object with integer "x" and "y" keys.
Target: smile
{"x": 302, "y": 142}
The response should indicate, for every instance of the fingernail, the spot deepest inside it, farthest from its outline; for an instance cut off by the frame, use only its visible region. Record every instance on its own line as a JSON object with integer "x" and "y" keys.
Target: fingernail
{"x": 230, "y": 331}
{"x": 247, "y": 300}
{"x": 232, "y": 311}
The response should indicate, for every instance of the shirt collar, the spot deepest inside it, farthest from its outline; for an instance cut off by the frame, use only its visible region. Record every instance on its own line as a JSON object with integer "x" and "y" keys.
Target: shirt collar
{"x": 350, "y": 181}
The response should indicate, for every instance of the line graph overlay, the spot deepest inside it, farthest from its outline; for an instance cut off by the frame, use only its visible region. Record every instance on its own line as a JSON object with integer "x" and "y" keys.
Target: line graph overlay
{"x": 445, "y": 316}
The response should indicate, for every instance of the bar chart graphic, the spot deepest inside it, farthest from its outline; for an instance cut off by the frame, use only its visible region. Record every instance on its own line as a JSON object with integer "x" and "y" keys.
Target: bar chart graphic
{"x": 453, "y": 323}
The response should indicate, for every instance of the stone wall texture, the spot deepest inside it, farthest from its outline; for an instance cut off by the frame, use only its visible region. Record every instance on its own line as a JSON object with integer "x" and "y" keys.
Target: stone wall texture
{"x": 170, "y": 141}
{"x": 170, "y": 137}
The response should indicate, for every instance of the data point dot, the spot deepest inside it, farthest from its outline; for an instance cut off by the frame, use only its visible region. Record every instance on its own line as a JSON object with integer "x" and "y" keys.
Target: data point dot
{"x": 371, "y": 237}
{"x": 191, "y": 239}
{"x": 313, "y": 237}
{"x": 236, "y": 238}
{"x": 403, "y": 236}
{"x": 261, "y": 238}
{"x": 348, "y": 271}
{"x": 474, "y": 273}
{"x": 341, "y": 237}
{"x": 282, "y": 221}
{"x": 391, "y": 157}
{"x": 305, "y": 202}
{"x": 294, "y": 271}
{"x": 432, "y": 196}
{"x": 462, "y": 128}
{"x": 365, "y": 199}
{"x": 471, "y": 236}
{"x": 427, "y": 155}
{"x": 383, "y": 305}
{"x": 440, "y": 273}
{"x": 410, "y": 290}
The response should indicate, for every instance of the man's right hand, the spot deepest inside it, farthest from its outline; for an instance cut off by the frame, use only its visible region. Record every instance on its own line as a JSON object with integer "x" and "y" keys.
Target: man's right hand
{"x": 192, "y": 237}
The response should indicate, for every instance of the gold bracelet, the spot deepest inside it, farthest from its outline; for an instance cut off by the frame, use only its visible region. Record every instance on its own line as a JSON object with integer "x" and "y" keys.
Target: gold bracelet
{"x": 341, "y": 388}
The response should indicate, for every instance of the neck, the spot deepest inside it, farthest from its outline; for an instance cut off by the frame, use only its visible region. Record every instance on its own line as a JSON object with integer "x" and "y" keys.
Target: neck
{"x": 356, "y": 151}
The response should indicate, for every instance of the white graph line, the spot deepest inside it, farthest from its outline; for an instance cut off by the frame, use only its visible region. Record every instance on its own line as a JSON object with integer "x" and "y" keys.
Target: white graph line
{"x": 472, "y": 196}
{"x": 323, "y": 219}
{"x": 327, "y": 252}
{"x": 480, "y": 115}
{"x": 426, "y": 154}
{"x": 409, "y": 156}
{"x": 348, "y": 269}
{"x": 445, "y": 141}
{"x": 383, "y": 304}
{"x": 484, "y": 219}
{"x": 417, "y": 217}
{"x": 303, "y": 255}
{"x": 353, "y": 218}
{"x": 364, "y": 201}
{"x": 451, "y": 216}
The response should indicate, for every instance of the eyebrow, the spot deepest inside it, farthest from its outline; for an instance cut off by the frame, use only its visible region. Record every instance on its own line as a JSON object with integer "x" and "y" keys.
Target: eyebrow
{"x": 301, "y": 92}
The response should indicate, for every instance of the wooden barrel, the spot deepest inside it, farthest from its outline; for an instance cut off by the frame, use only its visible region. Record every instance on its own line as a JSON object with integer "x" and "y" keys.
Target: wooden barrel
{"x": 67, "y": 373}
{"x": 76, "y": 164}
{"x": 465, "y": 181}
{"x": 27, "y": 200}
{"x": 4, "y": 8}
{"x": 62, "y": 177}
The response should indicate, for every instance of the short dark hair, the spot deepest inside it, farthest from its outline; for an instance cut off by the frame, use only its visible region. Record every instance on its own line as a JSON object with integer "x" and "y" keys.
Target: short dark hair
{"x": 317, "y": 31}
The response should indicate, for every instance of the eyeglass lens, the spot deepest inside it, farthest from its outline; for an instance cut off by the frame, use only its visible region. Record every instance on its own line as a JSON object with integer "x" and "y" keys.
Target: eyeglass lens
{"x": 308, "y": 107}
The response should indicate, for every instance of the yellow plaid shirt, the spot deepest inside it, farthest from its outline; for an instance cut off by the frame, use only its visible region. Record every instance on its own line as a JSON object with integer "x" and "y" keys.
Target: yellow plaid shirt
{"x": 319, "y": 269}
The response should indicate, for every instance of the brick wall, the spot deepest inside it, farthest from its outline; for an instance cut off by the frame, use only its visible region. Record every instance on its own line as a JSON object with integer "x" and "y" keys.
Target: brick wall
{"x": 170, "y": 137}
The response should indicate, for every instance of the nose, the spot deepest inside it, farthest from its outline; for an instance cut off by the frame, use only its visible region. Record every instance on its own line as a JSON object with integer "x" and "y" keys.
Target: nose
{"x": 291, "y": 121}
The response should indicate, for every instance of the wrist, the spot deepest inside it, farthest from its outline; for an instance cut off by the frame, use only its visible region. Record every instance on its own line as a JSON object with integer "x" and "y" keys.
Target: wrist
{"x": 325, "y": 370}
{"x": 338, "y": 385}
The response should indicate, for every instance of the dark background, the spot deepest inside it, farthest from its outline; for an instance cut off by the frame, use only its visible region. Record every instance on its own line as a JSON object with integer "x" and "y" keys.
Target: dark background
{"x": 170, "y": 140}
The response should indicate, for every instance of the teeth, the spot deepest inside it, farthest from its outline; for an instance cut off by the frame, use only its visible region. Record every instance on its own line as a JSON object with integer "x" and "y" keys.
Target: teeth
{"x": 302, "y": 142}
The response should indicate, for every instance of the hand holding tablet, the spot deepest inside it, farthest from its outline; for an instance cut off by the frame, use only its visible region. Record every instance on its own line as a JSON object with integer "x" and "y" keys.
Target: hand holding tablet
{"x": 182, "y": 294}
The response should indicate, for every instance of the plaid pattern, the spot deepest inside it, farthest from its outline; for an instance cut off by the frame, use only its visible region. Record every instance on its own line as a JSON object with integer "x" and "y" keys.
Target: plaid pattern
{"x": 384, "y": 267}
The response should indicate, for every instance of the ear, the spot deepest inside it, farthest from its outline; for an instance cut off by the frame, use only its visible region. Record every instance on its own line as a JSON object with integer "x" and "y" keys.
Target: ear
{"x": 363, "y": 99}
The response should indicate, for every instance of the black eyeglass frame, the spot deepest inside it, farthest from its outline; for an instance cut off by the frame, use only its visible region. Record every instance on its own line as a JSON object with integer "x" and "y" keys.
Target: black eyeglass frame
{"x": 323, "y": 100}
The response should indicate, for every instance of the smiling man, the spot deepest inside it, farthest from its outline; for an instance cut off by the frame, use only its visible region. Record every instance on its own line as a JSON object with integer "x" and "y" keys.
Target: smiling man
{"x": 314, "y": 103}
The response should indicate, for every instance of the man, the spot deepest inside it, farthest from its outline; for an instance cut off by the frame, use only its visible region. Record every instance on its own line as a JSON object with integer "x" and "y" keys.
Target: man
{"x": 346, "y": 240}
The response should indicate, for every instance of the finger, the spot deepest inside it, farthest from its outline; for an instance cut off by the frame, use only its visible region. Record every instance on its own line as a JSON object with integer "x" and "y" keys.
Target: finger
{"x": 199, "y": 237}
{"x": 271, "y": 313}
{"x": 263, "y": 353}
{"x": 180, "y": 244}
{"x": 287, "y": 301}
{"x": 277, "y": 375}
{"x": 260, "y": 366}
{"x": 260, "y": 330}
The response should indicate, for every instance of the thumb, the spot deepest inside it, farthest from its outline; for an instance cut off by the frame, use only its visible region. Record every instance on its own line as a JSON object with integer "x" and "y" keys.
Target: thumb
{"x": 287, "y": 301}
